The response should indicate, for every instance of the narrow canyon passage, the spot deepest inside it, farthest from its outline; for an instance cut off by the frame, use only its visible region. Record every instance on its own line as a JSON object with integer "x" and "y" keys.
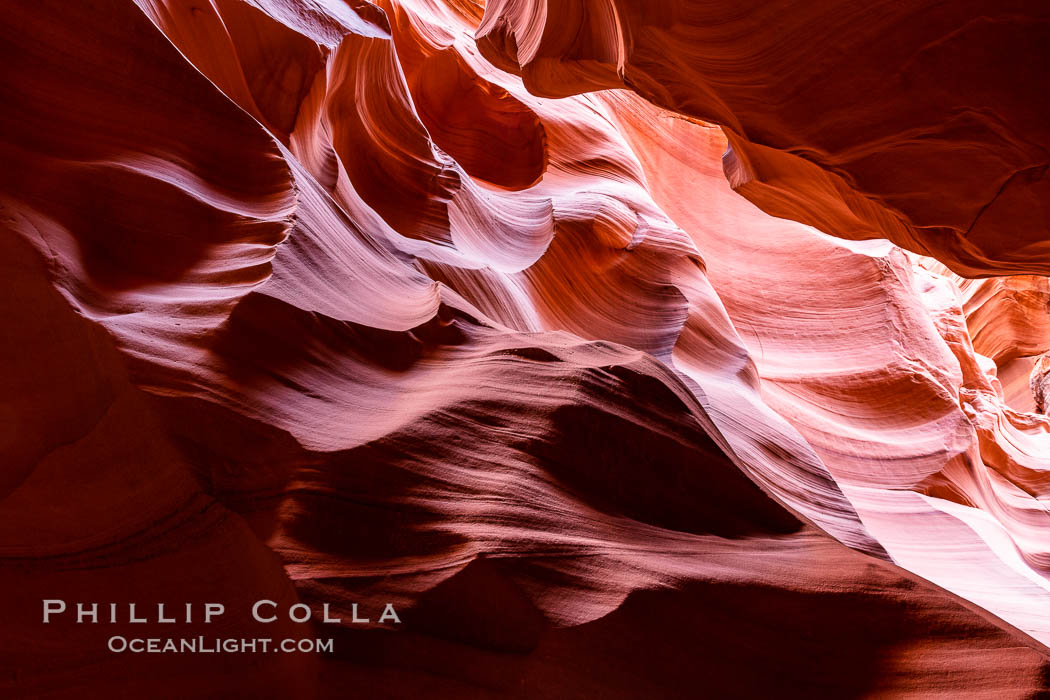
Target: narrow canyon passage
{"x": 622, "y": 348}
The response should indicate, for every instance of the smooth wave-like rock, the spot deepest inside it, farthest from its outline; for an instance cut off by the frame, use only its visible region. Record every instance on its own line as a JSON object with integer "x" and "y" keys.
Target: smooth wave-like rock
{"x": 408, "y": 302}
{"x": 885, "y": 384}
{"x": 922, "y": 124}
{"x": 1008, "y": 319}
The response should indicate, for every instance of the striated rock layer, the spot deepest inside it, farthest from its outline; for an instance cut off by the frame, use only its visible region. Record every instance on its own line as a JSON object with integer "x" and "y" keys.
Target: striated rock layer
{"x": 409, "y": 303}
{"x": 922, "y": 123}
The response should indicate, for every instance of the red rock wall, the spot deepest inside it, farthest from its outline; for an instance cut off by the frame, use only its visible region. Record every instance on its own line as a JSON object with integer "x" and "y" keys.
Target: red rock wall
{"x": 412, "y": 302}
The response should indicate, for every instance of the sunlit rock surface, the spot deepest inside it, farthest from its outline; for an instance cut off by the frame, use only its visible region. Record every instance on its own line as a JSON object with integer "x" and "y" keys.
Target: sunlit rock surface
{"x": 922, "y": 123}
{"x": 412, "y": 303}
